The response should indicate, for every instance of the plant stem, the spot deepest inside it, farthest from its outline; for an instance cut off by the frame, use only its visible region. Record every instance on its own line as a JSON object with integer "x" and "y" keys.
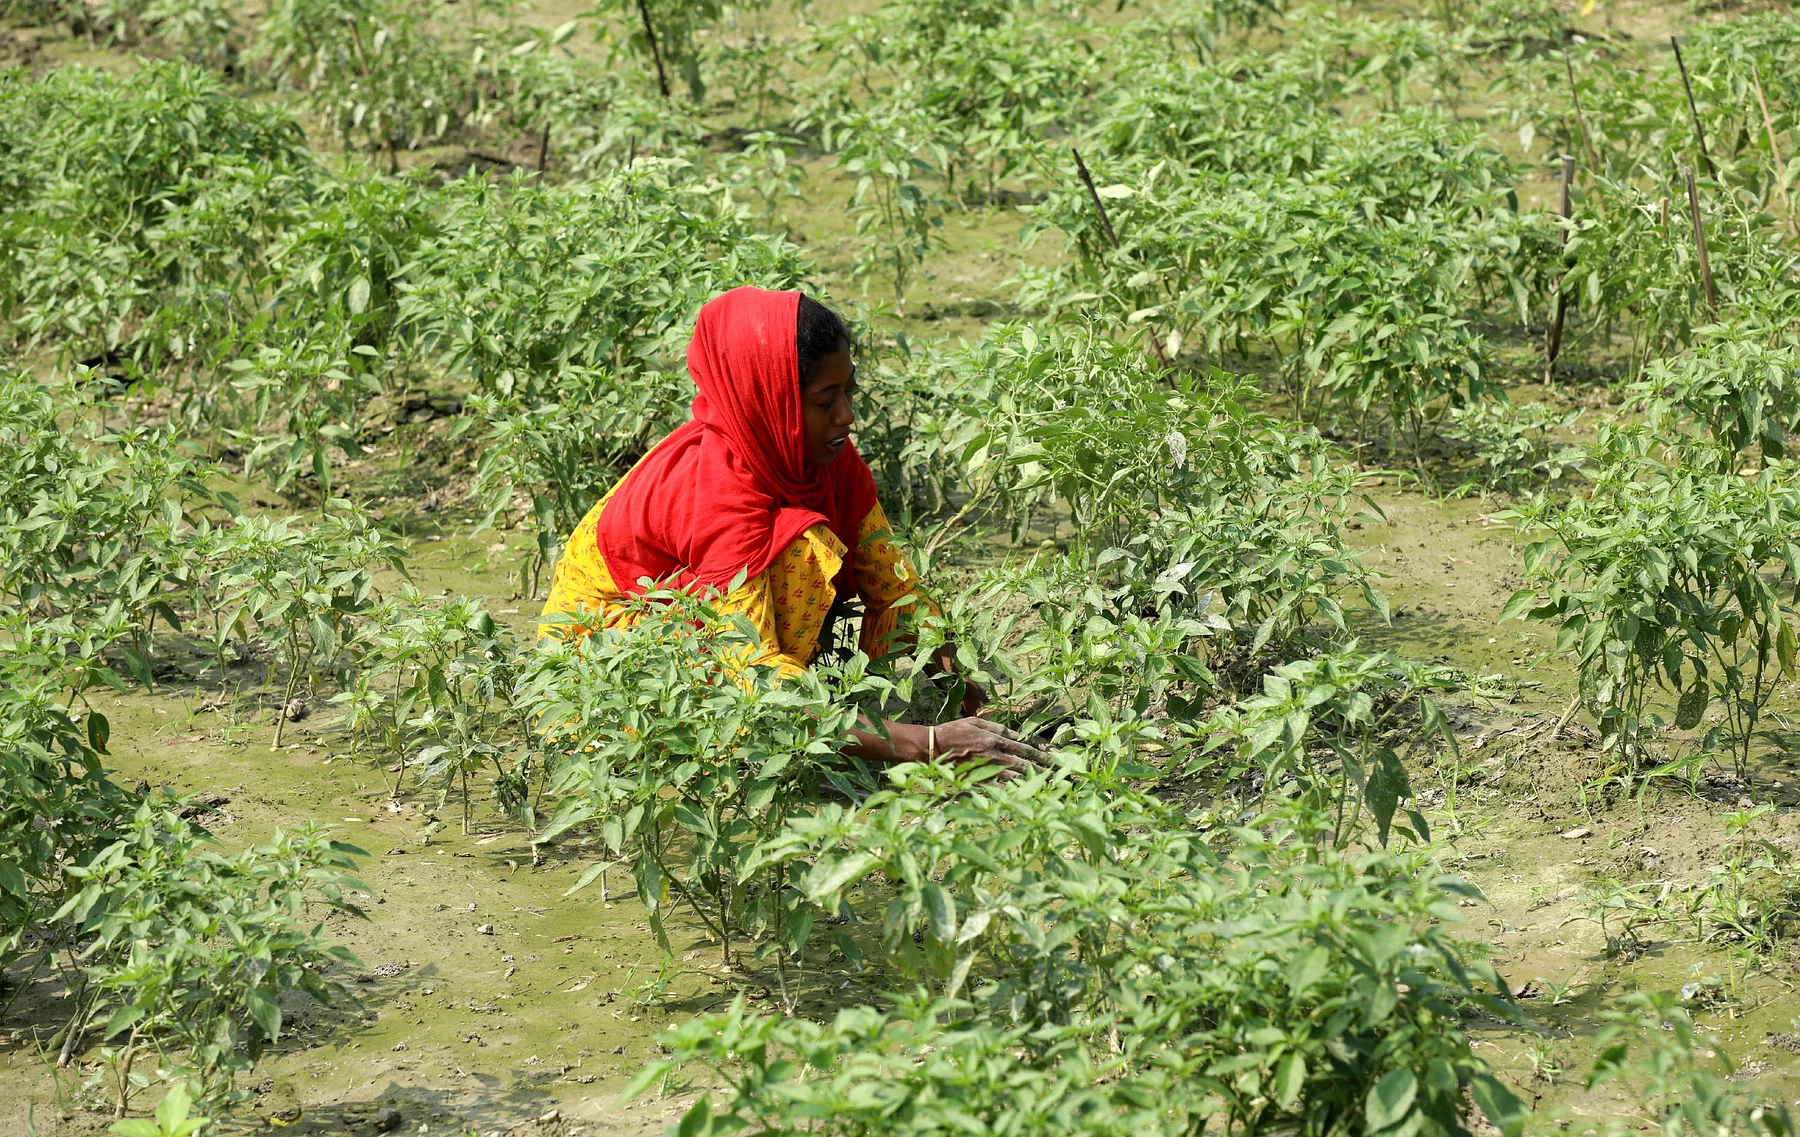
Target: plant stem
{"x": 362, "y": 59}
{"x": 124, "y": 1075}
{"x": 787, "y": 1000}
{"x": 655, "y": 846}
{"x": 73, "y": 1031}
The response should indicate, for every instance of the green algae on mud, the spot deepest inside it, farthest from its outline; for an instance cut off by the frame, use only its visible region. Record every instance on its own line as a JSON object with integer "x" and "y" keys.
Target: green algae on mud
{"x": 483, "y": 994}
{"x": 487, "y": 998}
{"x": 1523, "y": 814}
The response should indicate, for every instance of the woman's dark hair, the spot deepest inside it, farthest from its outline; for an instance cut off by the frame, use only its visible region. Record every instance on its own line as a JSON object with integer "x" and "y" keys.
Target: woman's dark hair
{"x": 818, "y": 332}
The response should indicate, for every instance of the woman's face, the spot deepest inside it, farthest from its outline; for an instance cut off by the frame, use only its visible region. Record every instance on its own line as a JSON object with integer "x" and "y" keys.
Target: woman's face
{"x": 825, "y": 403}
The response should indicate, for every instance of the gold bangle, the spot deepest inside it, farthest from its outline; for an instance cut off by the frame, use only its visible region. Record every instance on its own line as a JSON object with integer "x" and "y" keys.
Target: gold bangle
{"x": 931, "y": 744}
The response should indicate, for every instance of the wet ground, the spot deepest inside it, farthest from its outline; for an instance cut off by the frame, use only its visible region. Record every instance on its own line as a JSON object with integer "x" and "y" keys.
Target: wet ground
{"x": 486, "y": 1001}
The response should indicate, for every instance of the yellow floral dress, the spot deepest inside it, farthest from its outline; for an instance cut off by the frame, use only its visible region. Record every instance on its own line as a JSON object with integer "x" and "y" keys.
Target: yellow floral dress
{"x": 787, "y": 603}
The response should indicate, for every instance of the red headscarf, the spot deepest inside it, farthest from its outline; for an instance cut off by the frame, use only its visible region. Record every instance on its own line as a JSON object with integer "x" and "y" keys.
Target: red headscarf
{"x": 727, "y": 492}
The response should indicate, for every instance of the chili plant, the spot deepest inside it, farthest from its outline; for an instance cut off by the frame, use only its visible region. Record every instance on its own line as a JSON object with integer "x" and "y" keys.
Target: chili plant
{"x": 455, "y": 670}
{"x": 685, "y": 753}
{"x": 882, "y": 149}
{"x": 1334, "y": 733}
{"x": 298, "y": 588}
{"x": 374, "y": 70}
{"x": 1661, "y": 577}
{"x": 516, "y": 285}
{"x": 1741, "y": 390}
{"x": 131, "y": 196}
{"x": 1098, "y": 921}
{"x": 560, "y": 455}
{"x": 1514, "y": 444}
{"x": 190, "y": 950}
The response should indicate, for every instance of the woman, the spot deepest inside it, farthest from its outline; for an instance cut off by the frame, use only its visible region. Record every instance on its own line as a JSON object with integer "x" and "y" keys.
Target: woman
{"x": 763, "y": 497}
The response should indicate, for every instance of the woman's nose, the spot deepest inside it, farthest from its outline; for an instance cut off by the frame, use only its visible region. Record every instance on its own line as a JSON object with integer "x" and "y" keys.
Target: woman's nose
{"x": 844, "y": 414}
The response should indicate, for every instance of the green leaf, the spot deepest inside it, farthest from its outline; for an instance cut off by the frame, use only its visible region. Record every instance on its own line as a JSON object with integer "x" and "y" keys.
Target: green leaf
{"x": 847, "y": 946}
{"x": 1310, "y": 970}
{"x": 828, "y": 878}
{"x": 588, "y": 876}
{"x": 266, "y": 1013}
{"x": 172, "y": 1110}
{"x": 1290, "y": 1079}
{"x": 1387, "y": 785}
{"x": 1521, "y": 602}
{"x": 650, "y": 1072}
{"x": 122, "y": 1019}
{"x": 99, "y": 731}
{"x": 940, "y": 909}
{"x": 1692, "y": 706}
{"x": 1501, "y": 1106}
{"x": 358, "y": 296}
{"x": 138, "y": 666}
{"x": 1391, "y": 1099}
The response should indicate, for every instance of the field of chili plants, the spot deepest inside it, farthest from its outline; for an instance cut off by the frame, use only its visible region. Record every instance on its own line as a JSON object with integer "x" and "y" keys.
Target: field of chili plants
{"x": 1350, "y": 438}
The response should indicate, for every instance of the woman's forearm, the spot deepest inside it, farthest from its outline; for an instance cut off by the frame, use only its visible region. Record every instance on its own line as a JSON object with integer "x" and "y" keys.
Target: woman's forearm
{"x": 905, "y": 742}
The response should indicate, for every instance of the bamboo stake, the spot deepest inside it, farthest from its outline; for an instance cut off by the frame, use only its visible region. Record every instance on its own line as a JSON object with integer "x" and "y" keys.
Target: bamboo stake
{"x": 362, "y": 60}
{"x": 1706, "y": 276}
{"x": 1787, "y": 206}
{"x": 1553, "y": 345}
{"x": 544, "y": 148}
{"x": 1699, "y": 131}
{"x": 662, "y": 78}
{"x": 1587, "y": 142}
{"x": 1106, "y": 226}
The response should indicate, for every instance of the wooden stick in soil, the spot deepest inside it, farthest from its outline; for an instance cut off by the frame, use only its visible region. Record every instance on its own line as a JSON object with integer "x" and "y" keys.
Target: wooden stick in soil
{"x": 362, "y": 60}
{"x": 1787, "y": 206}
{"x": 1706, "y": 277}
{"x": 1694, "y": 110}
{"x": 77, "y": 1025}
{"x": 662, "y": 78}
{"x": 1587, "y": 142}
{"x": 1106, "y": 226}
{"x": 1553, "y": 345}
{"x": 544, "y": 148}
{"x": 1568, "y": 713}
{"x": 287, "y": 700}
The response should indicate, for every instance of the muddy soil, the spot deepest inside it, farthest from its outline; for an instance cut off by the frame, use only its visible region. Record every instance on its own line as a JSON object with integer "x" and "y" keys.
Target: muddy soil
{"x": 1527, "y": 817}
{"x": 488, "y": 1002}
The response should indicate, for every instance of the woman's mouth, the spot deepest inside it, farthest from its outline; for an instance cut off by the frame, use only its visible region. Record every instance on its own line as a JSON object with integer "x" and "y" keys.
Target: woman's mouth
{"x": 836, "y": 445}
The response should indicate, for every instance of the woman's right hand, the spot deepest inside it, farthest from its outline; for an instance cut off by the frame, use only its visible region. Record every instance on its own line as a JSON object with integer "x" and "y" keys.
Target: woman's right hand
{"x": 973, "y": 739}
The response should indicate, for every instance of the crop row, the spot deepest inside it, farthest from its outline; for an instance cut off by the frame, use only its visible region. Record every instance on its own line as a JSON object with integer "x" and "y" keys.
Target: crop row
{"x": 1219, "y": 901}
